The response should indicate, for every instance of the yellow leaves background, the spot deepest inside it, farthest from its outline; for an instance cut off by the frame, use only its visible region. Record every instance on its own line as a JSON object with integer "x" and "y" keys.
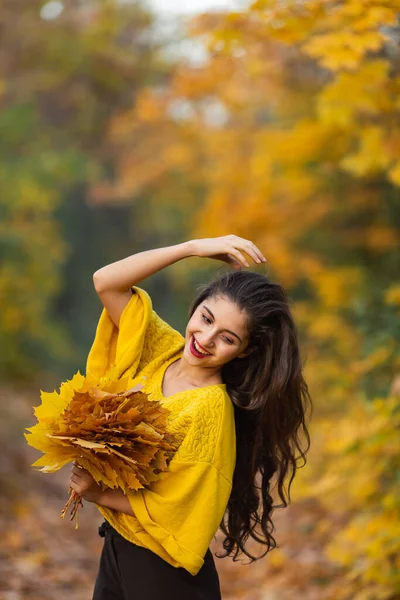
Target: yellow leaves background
{"x": 356, "y": 479}
{"x": 286, "y": 132}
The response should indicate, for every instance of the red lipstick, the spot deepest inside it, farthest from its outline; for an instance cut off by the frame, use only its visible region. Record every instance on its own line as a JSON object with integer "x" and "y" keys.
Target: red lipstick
{"x": 194, "y": 351}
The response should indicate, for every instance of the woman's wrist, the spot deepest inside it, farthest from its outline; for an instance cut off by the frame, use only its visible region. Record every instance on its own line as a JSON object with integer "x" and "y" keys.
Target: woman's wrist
{"x": 123, "y": 274}
{"x": 115, "y": 498}
{"x": 189, "y": 248}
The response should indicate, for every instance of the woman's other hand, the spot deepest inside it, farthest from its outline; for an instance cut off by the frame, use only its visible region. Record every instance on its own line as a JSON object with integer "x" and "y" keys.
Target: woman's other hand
{"x": 83, "y": 484}
{"x": 228, "y": 248}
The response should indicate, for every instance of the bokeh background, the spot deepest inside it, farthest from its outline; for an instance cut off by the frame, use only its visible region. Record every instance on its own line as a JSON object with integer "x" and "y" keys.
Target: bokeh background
{"x": 128, "y": 125}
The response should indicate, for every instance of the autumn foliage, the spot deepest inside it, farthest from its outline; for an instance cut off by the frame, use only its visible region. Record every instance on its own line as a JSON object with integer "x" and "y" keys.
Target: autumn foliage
{"x": 287, "y": 132}
{"x": 116, "y": 434}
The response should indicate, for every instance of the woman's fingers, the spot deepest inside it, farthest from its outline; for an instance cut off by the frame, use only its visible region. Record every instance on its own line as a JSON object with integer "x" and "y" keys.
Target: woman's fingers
{"x": 238, "y": 256}
{"x": 251, "y": 252}
{"x": 257, "y": 251}
{"x": 228, "y": 259}
{"x": 232, "y": 261}
{"x": 247, "y": 246}
{"x": 250, "y": 249}
{"x": 79, "y": 472}
{"x": 231, "y": 249}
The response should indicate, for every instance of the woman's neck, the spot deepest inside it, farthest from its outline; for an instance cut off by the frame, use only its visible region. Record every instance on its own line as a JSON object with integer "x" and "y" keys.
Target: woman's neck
{"x": 195, "y": 376}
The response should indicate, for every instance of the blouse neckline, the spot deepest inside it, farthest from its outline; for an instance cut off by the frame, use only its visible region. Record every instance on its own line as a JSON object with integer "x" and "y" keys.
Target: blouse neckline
{"x": 160, "y": 380}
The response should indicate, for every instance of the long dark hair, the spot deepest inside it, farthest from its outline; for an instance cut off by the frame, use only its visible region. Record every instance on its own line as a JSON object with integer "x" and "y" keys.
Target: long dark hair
{"x": 270, "y": 398}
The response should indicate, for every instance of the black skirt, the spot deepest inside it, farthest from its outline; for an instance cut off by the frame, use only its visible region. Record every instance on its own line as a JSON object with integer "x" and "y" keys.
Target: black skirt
{"x": 131, "y": 572}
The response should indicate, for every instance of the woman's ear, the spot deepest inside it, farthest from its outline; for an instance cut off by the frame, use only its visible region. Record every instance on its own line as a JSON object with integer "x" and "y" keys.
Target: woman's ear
{"x": 246, "y": 352}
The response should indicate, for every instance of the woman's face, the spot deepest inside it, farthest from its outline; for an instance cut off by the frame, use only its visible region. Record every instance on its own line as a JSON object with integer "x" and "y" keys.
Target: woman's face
{"x": 216, "y": 333}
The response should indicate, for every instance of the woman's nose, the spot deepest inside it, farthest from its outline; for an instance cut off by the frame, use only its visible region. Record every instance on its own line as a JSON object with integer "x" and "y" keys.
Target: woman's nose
{"x": 207, "y": 341}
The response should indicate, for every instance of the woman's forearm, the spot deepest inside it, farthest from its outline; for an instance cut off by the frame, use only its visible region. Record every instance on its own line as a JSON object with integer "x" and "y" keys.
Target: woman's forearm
{"x": 125, "y": 273}
{"x": 115, "y": 499}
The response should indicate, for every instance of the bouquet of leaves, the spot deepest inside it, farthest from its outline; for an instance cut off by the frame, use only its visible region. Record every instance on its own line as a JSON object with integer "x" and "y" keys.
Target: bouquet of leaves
{"x": 118, "y": 435}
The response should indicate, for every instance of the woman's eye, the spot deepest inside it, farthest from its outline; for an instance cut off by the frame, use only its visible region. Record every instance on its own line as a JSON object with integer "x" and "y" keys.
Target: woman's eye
{"x": 206, "y": 319}
{"x": 228, "y": 340}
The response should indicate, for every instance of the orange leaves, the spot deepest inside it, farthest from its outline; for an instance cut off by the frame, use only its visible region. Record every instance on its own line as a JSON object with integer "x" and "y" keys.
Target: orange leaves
{"x": 338, "y": 34}
{"x": 348, "y": 31}
{"x": 392, "y": 295}
{"x": 337, "y": 287}
{"x": 294, "y": 145}
{"x": 119, "y": 436}
{"x": 149, "y": 108}
{"x": 343, "y": 49}
{"x": 350, "y": 95}
{"x": 371, "y": 157}
{"x": 361, "y": 456}
{"x": 394, "y": 174}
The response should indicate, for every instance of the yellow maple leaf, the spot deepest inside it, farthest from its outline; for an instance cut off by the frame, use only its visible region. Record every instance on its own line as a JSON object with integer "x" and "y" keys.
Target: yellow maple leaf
{"x": 118, "y": 435}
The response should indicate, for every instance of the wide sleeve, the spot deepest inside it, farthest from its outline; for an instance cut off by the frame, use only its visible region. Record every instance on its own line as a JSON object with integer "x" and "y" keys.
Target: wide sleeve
{"x": 179, "y": 515}
{"x": 118, "y": 350}
{"x": 143, "y": 337}
{"x": 183, "y": 511}
{"x": 161, "y": 341}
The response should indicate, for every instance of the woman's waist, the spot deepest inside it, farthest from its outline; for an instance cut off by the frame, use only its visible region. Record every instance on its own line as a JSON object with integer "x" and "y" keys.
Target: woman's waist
{"x": 105, "y": 528}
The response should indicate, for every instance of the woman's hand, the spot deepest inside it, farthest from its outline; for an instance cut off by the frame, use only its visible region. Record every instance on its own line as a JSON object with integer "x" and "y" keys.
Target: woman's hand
{"x": 83, "y": 484}
{"x": 228, "y": 248}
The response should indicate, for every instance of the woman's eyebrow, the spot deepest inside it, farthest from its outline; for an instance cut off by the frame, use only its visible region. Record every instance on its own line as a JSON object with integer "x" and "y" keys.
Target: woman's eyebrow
{"x": 228, "y": 330}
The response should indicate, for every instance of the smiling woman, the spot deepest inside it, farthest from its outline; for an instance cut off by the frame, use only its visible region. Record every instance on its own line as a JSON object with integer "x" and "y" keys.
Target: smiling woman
{"x": 234, "y": 387}
{"x": 213, "y": 331}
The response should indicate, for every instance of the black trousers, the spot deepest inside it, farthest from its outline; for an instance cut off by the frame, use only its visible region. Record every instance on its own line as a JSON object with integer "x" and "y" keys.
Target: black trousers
{"x": 131, "y": 572}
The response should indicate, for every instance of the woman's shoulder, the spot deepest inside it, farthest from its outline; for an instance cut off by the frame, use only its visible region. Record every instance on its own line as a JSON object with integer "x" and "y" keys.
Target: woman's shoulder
{"x": 207, "y": 413}
{"x": 213, "y": 397}
{"x": 161, "y": 341}
{"x": 159, "y": 331}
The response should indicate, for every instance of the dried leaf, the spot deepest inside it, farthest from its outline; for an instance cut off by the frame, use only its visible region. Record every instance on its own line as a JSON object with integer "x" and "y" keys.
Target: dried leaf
{"x": 118, "y": 435}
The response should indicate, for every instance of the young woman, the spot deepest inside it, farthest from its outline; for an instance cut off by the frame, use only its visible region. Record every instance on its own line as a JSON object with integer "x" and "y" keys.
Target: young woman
{"x": 237, "y": 399}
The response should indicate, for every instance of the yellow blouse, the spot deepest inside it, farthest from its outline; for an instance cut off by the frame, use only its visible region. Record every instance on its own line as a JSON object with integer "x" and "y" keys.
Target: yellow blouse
{"x": 178, "y": 515}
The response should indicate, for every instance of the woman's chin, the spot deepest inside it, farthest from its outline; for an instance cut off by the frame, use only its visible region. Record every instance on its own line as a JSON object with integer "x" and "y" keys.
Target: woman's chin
{"x": 187, "y": 354}
{"x": 190, "y": 357}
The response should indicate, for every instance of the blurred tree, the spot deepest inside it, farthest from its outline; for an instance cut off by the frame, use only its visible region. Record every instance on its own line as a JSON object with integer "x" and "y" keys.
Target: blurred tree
{"x": 66, "y": 69}
{"x": 289, "y": 134}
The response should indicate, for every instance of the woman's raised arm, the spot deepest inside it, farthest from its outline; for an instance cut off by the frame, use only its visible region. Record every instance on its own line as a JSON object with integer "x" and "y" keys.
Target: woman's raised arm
{"x": 114, "y": 281}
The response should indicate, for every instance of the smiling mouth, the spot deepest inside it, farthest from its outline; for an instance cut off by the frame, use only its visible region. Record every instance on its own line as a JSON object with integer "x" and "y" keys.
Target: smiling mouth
{"x": 196, "y": 350}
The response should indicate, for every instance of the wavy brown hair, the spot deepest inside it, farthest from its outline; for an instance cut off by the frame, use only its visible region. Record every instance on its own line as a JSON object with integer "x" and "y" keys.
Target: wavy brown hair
{"x": 270, "y": 398}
